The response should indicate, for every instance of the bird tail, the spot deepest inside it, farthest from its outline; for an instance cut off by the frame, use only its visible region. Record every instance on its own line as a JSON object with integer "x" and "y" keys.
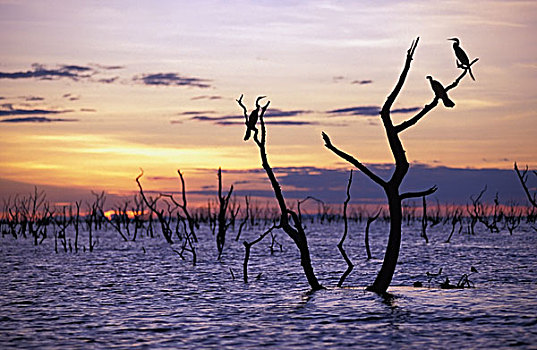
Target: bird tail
{"x": 448, "y": 102}
{"x": 471, "y": 74}
{"x": 247, "y": 135}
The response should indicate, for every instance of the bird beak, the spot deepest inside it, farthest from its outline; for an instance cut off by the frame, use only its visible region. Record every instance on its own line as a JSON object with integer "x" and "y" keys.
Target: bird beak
{"x": 259, "y": 99}
{"x": 453, "y": 39}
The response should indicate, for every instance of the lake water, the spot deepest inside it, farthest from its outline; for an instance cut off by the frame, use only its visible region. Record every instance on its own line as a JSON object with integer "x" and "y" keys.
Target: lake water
{"x": 142, "y": 295}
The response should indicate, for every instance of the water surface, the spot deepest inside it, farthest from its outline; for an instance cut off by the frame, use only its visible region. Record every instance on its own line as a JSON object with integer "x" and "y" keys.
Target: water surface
{"x": 142, "y": 295}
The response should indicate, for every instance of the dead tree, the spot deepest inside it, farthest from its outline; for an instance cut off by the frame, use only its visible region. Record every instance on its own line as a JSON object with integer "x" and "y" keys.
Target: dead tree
{"x": 62, "y": 222}
{"x": 289, "y": 220}
{"x": 483, "y": 213}
{"x": 95, "y": 217}
{"x": 523, "y": 177}
{"x": 248, "y": 247}
{"x": 391, "y": 187}
{"x": 164, "y": 222}
{"x": 223, "y": 223}
{"x": 455, "y": 219}
{"x": 184, "y": 208}
{"x": 424, "y": 222}
{"x": 350, "y": 265}
{"x": 76, "y": 223}
{"x": 245, "y": 217}
{"x": 36, "y": 215}
{"x": 370, "y": 220}
{"x": 192, "y": 225}
{"x": 512, "y": 217}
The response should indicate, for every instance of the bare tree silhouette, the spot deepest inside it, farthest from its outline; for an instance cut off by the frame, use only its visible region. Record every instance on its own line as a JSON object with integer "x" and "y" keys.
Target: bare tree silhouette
{"x": 523, "y": 177}
{"x": 350, "y": 265}
{"x": 391, "y": 187}
{"x": 223, "y": 223}
{"x": 289, "y": 220}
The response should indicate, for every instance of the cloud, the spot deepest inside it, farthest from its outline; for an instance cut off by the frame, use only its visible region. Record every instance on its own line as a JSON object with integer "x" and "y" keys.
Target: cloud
{"x": 171, "y": 79}
{"x": 71, "y": 97}
{"x": 206, "y": 97}
{"x": 455, "y": 185}
{"x": 8, "y": 110}
{"x": 235, "y": 119}
{"x": 369, "y": 111}
{"x": 195, "y": 112}
{"x": 271, "y": 122}
{"x": 38, "y": 71}
{"x": 32, "y": 98}
{"x": 69, "y": 71}
{"x": 360, "y": 110}
{"x": 108, "y": 80}
{"x": 105, "y": 67}
{"x": 362, "y": 82}
{"x": 88, "y": 110}
{"x": 338, "y": 78}
{"x": 274, "y": 112}
{"x": 37, "y": 120}
{"x": 205, "y": 118}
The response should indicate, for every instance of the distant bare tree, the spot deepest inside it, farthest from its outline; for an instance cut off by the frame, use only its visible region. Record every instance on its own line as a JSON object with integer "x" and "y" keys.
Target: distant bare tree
{"x": 391, "y": 187}
{"x": 350, "y": 265}
{"x": 456, "y": 218}
{"x": 223, "y": 224}
{"x": 370, "y": 220}
{"x": 424, "y": 222}
{"x": 152, "y": 204}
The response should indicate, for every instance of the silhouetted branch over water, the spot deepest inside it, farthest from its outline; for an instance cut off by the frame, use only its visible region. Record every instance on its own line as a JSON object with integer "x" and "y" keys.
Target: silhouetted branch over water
{"x": 523, "y": 177}
{"x": 289, "y": 220}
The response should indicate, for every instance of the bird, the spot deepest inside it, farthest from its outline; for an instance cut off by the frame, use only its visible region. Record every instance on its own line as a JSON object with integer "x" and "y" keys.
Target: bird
{"x": 462, "y": 58}
{"x": 250, "y": 124}
{"x": 252, "y": 119}
{"x": 440, "y": 92}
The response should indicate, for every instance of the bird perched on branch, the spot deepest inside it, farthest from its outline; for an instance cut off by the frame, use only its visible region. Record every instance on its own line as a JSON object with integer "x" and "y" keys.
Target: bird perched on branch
{"x": 462, "y": 58}
{"x": 252, "y": 119}
{"x": 440, "y": 92}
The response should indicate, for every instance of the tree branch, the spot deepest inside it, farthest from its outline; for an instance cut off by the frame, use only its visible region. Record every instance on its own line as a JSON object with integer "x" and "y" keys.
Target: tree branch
{"x": 410, "y": 122}
{"x": 408, "y": 195}
{"x": 244, "y": 109}
{"x": 391, "y": 98}
{"x": 328, "y": 144}
{"x": 523, "y": 179}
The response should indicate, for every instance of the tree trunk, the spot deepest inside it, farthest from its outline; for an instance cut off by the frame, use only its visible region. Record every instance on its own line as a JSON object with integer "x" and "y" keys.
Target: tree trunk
{"x": 385, "y": 275}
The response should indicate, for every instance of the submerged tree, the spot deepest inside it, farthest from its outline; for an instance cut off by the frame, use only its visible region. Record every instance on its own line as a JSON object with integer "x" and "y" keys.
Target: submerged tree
{"x": 391, "y": 187}
{"x": 523, "y": 178}
{"x": 290, "y": 222}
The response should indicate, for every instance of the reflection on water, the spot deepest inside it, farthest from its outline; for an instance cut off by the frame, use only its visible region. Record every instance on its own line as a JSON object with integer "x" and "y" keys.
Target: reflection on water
{"x": 141, "y": 295}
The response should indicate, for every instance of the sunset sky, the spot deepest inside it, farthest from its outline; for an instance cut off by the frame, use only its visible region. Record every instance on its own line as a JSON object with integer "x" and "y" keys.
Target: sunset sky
{"x": 92, "y": 91}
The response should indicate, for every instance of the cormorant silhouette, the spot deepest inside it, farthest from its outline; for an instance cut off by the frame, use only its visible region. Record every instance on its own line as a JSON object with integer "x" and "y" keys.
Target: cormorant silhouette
{"x": 462, "y": 58}
{"x": 252, "y": 119}
{"x": 440, "y": 92}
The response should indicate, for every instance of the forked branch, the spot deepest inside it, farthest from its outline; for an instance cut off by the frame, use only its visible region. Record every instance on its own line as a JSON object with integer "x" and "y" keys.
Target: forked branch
{"x": 429, "y": 107}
